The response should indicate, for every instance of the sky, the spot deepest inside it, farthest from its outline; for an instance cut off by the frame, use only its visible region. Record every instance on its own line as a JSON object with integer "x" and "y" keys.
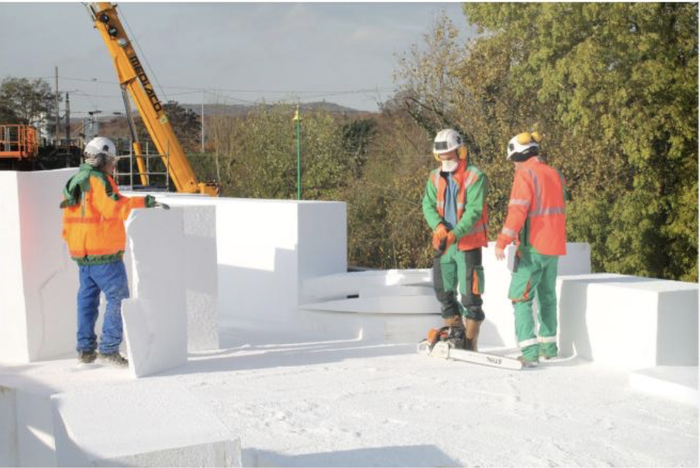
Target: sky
{"x": 237, "y": 52}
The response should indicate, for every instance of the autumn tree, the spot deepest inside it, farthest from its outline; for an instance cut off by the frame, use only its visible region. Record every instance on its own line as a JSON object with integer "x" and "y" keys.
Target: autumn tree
{"x": 25, "y": 101}
{"x": 613, "y": 87}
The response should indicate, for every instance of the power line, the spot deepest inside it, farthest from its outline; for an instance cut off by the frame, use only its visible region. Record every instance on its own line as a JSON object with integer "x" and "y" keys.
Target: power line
{"x": 231, "y": 90}
{"x": 153, "y": 74}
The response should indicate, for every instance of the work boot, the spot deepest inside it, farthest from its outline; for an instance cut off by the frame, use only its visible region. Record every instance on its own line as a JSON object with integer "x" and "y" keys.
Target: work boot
{"x": 548, "y": 350}
{"x": 86, "y": 357}
{"x": 455, "y": 333}
{"x": 115, "y": 359}
{"x": 472, "y": 328}
{"x": 529, "y": 362}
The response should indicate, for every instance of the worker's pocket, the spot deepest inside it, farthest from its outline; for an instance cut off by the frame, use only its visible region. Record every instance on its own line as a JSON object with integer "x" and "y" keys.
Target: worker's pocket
{"x": 478, "y": 281}
{"x": 520, "y": 286}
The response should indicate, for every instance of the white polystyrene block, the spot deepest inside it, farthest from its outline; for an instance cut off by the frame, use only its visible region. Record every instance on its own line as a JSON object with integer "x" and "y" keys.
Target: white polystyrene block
{"x": 387, "y": 305}
{"x": 200, "y": 268}
{"x": 202, "y": 277}
{"x": 628, "y": 321}
{"x": 260, "y": 262}
{"x": 672, "y": 382}
{"x": 202, "y": 328}
{"x": 577, "y": 260}
{"x": 394, "y": 292}
{"x": 322, "y": 242}
{"x": 13, "y": 323}
{"x": 373, "y": 327}
{"x": 153, "y": 424}
{"x": 155, "y": 318}
{"x": 345, "y": 284}
{"x": 35, "y": 429}
{"x": 214, "y": 454}
{"x": 267, "y": 248}
{"x": 9, "y": 455}
{"x": 38, "y": 280}
{"x": 424, "y": 290}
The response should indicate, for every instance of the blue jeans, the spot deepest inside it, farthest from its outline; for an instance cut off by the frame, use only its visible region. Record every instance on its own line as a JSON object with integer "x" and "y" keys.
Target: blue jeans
{"x": 111, "y": 280}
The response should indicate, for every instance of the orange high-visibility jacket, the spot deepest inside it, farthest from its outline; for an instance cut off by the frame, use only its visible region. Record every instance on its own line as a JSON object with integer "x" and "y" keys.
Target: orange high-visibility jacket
{"x": 93, "y": 217}
{"x": 537, "y": 208}
{"x": 472, "y": 213}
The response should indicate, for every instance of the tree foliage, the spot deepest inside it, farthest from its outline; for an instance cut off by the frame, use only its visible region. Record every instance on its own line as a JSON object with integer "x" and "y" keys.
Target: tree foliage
{"x": 614, "y": 89}
{"x": 24, "y": 101}
{"x": 185, "y": 122}
{"x": 258, "y": 153}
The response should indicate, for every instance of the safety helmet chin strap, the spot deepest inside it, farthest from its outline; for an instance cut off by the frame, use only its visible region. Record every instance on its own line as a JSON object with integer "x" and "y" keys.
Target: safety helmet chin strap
{"x": 99, "y": 160}
{"x": 525, "y": 155}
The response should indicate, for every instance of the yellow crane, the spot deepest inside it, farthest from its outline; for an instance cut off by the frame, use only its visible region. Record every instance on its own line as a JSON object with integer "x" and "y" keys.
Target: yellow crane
{"x": 133, "y": 79}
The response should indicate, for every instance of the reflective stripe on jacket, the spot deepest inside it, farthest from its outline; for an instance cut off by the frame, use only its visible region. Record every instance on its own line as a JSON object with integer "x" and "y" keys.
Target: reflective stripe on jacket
{"x": 93, "y": 217}
{"x": 472, "y": 214}
{"x": 537, "y": 205}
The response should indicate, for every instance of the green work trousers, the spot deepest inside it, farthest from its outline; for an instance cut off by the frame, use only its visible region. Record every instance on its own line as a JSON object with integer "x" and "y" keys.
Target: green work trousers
{"x": 459, "y": 268}
{"x": 535, "y": 278}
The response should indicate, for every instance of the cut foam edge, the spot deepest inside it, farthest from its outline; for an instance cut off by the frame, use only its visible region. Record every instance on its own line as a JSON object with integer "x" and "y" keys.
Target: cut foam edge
{"x": 677, "y": 383}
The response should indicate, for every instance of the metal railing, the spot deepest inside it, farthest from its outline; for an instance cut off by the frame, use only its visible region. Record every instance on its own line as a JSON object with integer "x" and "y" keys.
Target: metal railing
{"x": 18, "y": 141}
{"x": 162, "y": 174}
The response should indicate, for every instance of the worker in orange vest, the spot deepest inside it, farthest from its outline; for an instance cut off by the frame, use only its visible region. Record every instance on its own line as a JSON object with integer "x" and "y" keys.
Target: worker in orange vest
{"x": 93, "y": 226}
{"x": 536, "y": 221}
{"x": 454, "y": 206}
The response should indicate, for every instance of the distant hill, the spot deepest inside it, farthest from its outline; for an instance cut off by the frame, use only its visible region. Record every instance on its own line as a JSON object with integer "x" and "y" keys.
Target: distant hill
{"x": 115, "y": 126}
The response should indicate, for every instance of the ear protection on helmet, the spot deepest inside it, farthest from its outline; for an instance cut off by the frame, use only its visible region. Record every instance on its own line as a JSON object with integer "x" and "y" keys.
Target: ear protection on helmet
{"x": 524, "y": 146}
{"x": 462, "y": 153}
{"x": 526, "y": 138}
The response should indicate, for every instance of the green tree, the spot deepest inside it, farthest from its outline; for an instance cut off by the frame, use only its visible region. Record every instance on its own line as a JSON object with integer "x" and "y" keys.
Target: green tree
{"x": 185, "y": 122}
{"x": 621, "y": 80}
{"x": 613, "y": 87}
{"x": 25, "y": 101}
{"x": 258, "y": 154}
{"x": 357, "y": 135}
{"x": 385, "y": 221}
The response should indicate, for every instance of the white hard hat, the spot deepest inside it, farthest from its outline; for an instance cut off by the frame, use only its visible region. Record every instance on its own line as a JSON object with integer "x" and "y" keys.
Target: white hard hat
{"x": 101, "y": 145}
{"x": 523, "y": 146}
{"x": 446, "y": 141}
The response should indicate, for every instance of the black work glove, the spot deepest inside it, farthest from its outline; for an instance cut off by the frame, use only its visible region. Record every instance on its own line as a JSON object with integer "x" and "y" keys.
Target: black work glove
{"x": 152, "y": 203}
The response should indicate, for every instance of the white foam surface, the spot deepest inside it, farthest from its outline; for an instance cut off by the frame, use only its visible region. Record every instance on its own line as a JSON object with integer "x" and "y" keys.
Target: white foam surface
{"x": 628, "y": 321}
{"x": 397, "y": 293}
{"x": 678, "y": 383}
{"x": 266, "y": 249}
{"x": 155, "y": 318}
{"x": 37, "y": 277}
{"x": 153, "y": 424}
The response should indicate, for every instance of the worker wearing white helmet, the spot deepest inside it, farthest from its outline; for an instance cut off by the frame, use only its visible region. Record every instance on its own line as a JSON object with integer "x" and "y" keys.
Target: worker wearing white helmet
{"x": 454, "y": 206}
{"x": 93, "y": 227}
{"x": 536, "y": 221}
{"x": 100, "y": 152}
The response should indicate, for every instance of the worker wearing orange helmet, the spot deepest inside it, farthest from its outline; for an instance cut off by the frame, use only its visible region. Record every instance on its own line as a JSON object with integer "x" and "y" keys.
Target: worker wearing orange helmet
{"x": 454, "y": 206}
{"x": 93, "y": 227}
{"x": 536, "y": 221}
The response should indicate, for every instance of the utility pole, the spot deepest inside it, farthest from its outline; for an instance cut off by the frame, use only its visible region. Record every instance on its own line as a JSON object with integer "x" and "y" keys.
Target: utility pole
{"x": 67, "y": 119}
{"x": 202, "y": 150}
{"x": 58, "y": 121}
{"x": 298, "y": 121}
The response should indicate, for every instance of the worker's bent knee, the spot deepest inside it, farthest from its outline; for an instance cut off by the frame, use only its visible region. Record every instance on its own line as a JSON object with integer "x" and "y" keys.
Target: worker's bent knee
{"x": 475, "y": 313}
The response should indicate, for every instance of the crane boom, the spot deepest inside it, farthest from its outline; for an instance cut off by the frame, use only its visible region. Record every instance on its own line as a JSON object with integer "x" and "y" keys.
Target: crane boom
{"x": 132, "y": 77}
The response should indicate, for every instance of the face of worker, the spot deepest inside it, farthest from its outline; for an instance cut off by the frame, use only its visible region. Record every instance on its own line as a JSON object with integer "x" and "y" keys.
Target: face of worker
{"x": 449, "y": 161}
{"x": 450, "y": 156}
{"x": 109, "y": 166}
